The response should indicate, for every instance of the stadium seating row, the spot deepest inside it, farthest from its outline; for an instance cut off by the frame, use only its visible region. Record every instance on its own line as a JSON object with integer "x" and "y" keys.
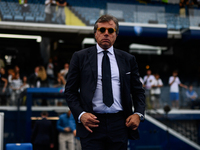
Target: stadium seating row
{"x": 29, "y": 1}
{"x": 13, "y": 11}
{"x": 132, "y": 11}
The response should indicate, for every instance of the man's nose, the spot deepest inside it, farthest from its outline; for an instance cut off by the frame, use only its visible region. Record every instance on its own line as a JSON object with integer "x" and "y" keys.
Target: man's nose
{"x": 106, "y": 32}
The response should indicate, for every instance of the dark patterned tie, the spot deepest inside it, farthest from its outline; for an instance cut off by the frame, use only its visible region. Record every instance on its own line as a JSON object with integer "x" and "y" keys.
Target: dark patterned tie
{"x": 106, "y": 80}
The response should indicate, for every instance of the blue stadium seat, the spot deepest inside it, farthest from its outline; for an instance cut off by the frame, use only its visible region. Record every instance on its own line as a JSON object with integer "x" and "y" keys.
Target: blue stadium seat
{"x": 29, "y": 18}
{"x": 7, "y": 17}
{"x": 18, "y": 17}
{"x": 20, "y": 146}
{"x": 40, "y": 18}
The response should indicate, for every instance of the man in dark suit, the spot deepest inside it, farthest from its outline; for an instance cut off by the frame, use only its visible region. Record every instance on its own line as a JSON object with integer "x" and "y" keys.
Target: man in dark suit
{"x": 102, "y": 85}
{"x": 42, "y": 137}
{"x": 33, "y": 78}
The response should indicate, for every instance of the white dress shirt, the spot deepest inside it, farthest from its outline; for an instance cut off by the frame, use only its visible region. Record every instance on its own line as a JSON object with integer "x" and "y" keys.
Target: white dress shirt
{"x": 97, "y": 101}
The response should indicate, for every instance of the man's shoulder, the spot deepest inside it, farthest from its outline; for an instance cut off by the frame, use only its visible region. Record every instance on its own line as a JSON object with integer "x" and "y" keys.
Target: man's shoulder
{"x": 123, "y": 53}
{"x": 85, "y": 51}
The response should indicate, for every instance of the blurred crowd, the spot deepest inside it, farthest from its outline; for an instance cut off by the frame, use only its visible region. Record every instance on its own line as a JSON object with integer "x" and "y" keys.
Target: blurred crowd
{"x": 50, "y": 9}
{"x": 186, "y": 7}
{"x": 153, "y": 84}
{"x": 13, "y": 83}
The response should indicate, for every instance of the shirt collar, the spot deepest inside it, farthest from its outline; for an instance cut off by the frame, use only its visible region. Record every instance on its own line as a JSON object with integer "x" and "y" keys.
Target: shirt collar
{"x": 99, "y": 49}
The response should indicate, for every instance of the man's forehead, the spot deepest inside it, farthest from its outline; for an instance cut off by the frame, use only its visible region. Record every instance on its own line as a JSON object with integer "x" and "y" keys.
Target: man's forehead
{"x": 111, "y": 22}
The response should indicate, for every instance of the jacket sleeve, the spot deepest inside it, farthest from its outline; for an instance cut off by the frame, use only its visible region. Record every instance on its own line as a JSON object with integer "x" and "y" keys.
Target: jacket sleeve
{"x": 51, "y": 133}
{"x": 72, "y": 87}
{"x": 137, "y": 90}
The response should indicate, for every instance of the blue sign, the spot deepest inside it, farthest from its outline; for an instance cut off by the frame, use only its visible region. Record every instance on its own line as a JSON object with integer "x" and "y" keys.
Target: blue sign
{"x": 137, "y": 30}
{"x": 133, "y": 31}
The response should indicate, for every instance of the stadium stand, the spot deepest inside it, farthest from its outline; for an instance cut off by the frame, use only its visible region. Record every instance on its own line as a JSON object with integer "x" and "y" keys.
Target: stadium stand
{"x": 12, "y": 11}
{"x": 89, "y": 11}
{"x": 131, "y": 11}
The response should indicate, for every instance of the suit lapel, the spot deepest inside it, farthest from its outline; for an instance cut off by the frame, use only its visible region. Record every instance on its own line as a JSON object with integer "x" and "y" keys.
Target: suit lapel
{"x": 121, "y": 65}
{"x": 92, "y": 55}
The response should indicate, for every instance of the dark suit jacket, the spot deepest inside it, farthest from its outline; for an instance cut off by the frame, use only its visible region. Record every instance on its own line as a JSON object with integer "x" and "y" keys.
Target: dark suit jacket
{"x": 32, "y": 79}
{"x": 42, "y": 133}
{"x": 83, "y": 75}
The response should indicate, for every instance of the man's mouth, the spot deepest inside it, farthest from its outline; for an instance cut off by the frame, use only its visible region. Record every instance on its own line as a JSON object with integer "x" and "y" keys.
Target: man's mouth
{"x": 106, "y": 40}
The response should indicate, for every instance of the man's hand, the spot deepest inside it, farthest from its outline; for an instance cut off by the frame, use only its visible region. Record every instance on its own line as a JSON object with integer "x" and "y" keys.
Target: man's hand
{"x": 74, "y": 132}
{"x": 89, "y": 121}
{"x": 67, "y": 129}
{"x": 133, "y": 121}
{"x": 51, "y": 145}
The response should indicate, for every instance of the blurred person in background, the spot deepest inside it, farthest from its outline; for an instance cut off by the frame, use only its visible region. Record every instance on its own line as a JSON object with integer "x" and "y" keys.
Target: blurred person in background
{"x": 56, "y": 64}
{"x": 42, "y": 134}
{"x": 17, "y": 71}
{"x": 67, "y": 128}
{"x": 60, "y": 83}
{"x": 33, "y": 77}
{"x": 60, "y": 14}
{"x": 148, "y": 79}
{"x": 23, "y": 88}
{"x": 192, "y": 97}
{"x": 77, "y": 143}
{"x": 50, "y": 72}
{"x": 15, "y": 89}
{"x": 174, "y": 83}
{"x": 3, "y": 86}
{"x": 190, "y": 5}
{"x": 48, "y": 10}
{"x": 42, "y": 77}
{"x": 65, "y": 70}
{"x": 24, "y": 5}
{"x": 53, "y": 7}
{"x": 182, "y": 11}
{"x": 42, "y": 82}
{"x": 156, "y": 91}
{"x": 2, "y": 64}
{"x": 25, "y": 84}
{"x": 11, "y": 73}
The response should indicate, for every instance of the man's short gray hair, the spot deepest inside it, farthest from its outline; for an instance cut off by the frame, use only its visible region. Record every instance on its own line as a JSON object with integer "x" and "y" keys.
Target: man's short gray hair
{"x": 107, "y": 18}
